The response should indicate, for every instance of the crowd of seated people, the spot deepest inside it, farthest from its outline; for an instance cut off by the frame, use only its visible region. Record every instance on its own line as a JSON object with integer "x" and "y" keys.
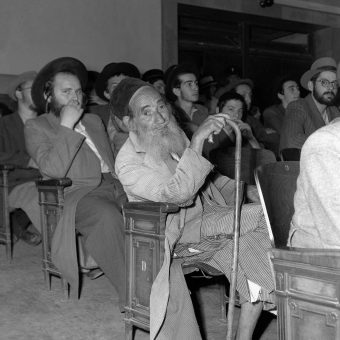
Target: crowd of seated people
{"x": 148, "y": 137}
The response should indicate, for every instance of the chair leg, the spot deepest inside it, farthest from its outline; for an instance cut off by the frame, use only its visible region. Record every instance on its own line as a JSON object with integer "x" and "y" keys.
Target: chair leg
{"x": 47, "y": 279}
{"x": 65, "y": 287}
{"x": 223, "y": 300}
{"x": 128, "y": 331}
{"x": 8, "y": 247}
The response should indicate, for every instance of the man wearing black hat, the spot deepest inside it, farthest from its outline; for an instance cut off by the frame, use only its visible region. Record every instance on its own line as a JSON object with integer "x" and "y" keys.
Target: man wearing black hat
{"x": 158, "y": 163}
{"x": 306, "y": 115}
{"x": 208, "y": 87}
{"x": 13, "y": 149}
{"x": 155, "y": 77}
{"x": 66, "y": 143}
{"x": 111, "y": 75}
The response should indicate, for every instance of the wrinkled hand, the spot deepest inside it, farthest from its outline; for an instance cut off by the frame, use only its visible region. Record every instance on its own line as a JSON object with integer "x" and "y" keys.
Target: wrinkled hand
{"x": 70, "y": 114}
{"x": 211, "y": 126}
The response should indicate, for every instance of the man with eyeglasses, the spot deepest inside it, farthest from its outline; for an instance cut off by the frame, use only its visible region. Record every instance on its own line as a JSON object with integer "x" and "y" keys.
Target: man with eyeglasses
{"x": 13, "y": 151}
{"x": 316, "y": 219}
{"x": 65, "y": 143}
{"x": 287, "y": 90}
{"x": 304, "y": 116}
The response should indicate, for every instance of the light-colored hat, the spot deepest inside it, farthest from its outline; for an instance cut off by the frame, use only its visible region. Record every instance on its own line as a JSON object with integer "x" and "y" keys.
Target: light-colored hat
{"x": 319, "y": 65}
{"x": 18, "y": 80}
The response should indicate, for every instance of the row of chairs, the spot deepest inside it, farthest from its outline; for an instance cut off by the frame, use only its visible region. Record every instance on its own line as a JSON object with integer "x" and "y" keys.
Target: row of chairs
{"x": 251, "y": 159}
{"x": 138, "y": 246}
{"x": 300, "y": 275}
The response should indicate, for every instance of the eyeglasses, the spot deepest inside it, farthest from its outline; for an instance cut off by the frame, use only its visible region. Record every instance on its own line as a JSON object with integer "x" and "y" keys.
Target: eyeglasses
{"x": 328, "y": 84}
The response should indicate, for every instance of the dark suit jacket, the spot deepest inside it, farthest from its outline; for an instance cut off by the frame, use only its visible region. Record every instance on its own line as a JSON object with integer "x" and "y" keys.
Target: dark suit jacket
{"x": 103, "y": 111}
{"x": 273, "y": 117}
{"x": 12, "y": 141}
{"x": 13, "y": 151}
{"x": 62, "y": 152}
{"x": 301, "y": 120}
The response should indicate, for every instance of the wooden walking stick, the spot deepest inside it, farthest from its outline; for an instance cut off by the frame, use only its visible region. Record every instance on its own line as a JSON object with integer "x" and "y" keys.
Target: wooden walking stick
{"x": 237, "y": 211}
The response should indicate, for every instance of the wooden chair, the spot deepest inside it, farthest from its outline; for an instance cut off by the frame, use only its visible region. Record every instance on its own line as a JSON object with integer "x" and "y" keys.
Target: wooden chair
{"x": 145, "y": 234}
{"x": 276, "y": 184}
{"x": 51, "y": 201}
{"x": 290, "y": 154}
{"x": 5, "y": 230}
{"x": 251, "y": 159}
{"x": 11, "y": 176}
{"x": 307, "y": 289}
{"x": 307, "y": 281}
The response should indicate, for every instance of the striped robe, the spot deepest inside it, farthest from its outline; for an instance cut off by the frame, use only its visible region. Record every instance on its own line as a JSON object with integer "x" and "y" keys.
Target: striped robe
{"x": 203, "y": 223}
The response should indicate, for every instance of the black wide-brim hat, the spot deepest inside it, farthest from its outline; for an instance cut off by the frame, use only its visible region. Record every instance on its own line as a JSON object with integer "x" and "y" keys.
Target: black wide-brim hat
{"x": 59, "y": 65}
{"x": 151, "y": 76}
{"x": 111, "y": 70}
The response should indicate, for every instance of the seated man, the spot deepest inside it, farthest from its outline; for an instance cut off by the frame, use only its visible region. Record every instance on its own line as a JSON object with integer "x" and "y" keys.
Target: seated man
{"x": 155, "y": 77}
{"x": 105, "y": 83}
{"x": 158, "y": 163}
{"x": 64, "y": 143}
{"x": 304, "y": 116}
{"x": 13, "y": 151}
{"x": 316, "y": 222}
{"x": 287, "y": 91}
{"x": 182, "y": 91}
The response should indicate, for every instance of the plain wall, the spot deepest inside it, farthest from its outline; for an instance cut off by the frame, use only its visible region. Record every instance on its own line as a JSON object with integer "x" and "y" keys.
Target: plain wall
{"x": 33, "y": 32}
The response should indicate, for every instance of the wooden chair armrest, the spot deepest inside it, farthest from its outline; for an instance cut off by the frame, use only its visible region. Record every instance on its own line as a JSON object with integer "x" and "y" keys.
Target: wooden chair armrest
{"x": 7, "y": 167}
{"x": 152, "y": 207}
{"x": 55, "y": 182}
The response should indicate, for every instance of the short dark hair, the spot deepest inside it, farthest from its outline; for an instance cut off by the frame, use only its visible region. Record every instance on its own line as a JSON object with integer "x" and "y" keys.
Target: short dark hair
{"x": 173, "y": 80}
{"x": 232, "y": 95}
{"x": 281, "y": 81}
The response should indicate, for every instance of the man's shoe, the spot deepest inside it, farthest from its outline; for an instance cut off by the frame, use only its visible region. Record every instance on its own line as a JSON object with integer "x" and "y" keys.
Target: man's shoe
{"x": 95, "y": 273}
{"x": 31, "y": 238}
{"x": 15, "y": 238}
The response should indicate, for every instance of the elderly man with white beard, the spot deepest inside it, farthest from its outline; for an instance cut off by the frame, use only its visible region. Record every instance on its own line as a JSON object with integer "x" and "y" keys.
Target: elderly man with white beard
{"x": 158, "y": 163}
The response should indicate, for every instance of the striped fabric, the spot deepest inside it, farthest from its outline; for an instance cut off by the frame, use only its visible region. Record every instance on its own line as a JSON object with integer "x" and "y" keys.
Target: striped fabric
{"x": 216, "y": 247}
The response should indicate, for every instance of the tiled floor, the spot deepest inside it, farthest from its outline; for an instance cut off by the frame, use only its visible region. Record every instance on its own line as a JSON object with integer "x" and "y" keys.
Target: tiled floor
{"x": 28, "y": 310}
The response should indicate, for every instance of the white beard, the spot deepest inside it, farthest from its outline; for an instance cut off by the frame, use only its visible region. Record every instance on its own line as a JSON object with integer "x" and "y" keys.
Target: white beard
{"x": 161, "y": 143}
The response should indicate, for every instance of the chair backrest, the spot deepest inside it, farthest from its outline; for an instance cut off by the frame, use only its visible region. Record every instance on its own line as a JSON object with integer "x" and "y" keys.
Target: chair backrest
{"x": 276, "y": 184}
{"x": 290, "y": 154}
{"x": 250, "y": 160}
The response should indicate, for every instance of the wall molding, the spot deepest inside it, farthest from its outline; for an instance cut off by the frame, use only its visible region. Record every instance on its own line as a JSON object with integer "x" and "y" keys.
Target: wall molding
{"x": 314, "y": 6}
